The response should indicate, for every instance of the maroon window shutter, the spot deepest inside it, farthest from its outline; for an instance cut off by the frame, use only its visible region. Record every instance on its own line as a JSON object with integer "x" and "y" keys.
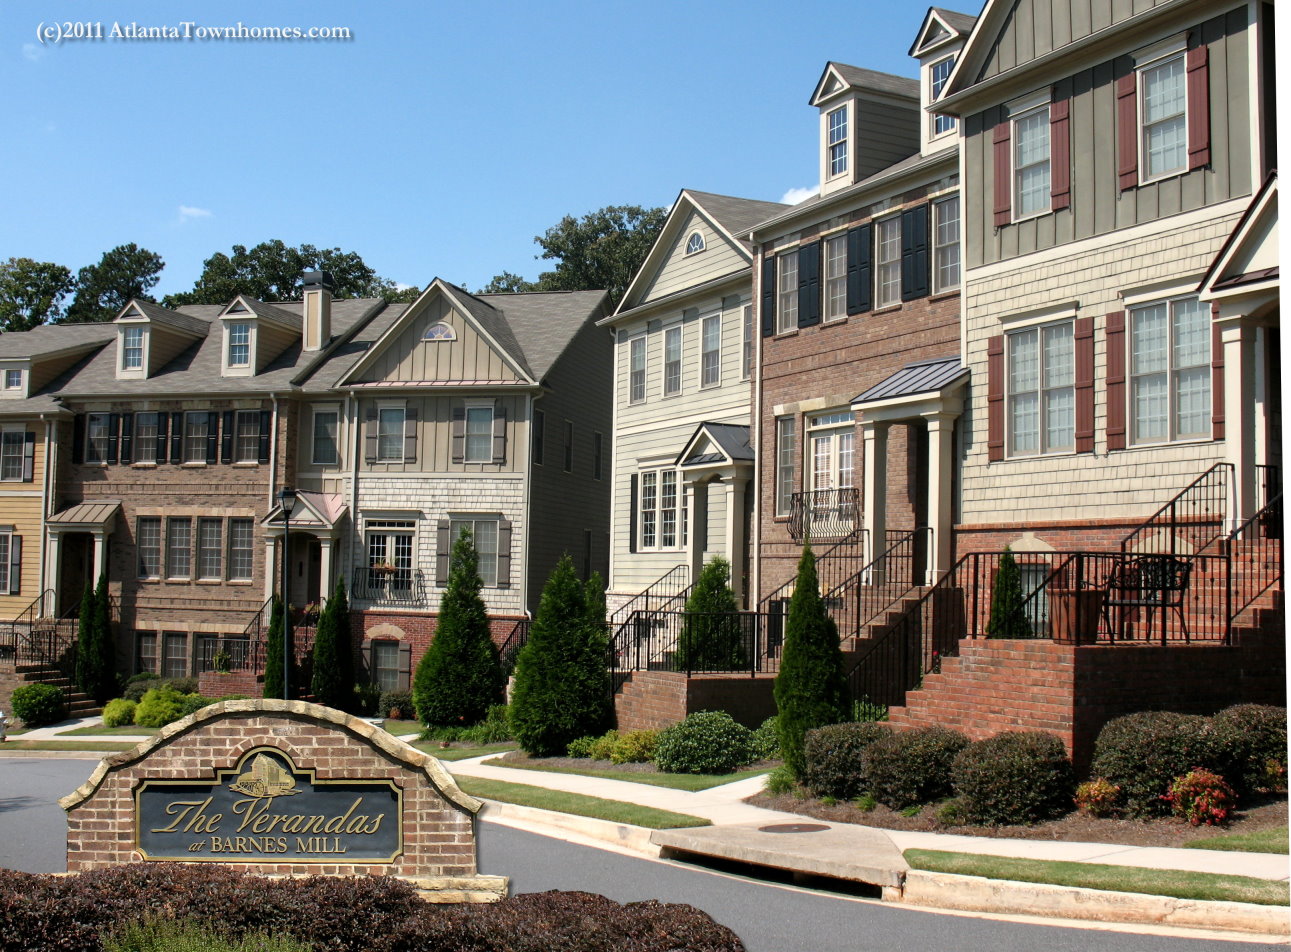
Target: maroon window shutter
{"x": 1216, "y": 378}
{"x": 1198, "y": 107}
{"x": 1060, "y": 153}
{"x": 1116, "y": 380}
{"x": 1084, "y": 340}
{"x": 1003, "y": 174}
{"x": 1127, "y": 130}
{"x": 995, "y": 398}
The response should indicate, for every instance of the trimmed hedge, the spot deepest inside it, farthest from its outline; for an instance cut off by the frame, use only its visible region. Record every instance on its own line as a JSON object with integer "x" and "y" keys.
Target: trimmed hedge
{"x": 833, "y": 758}
{"x": 1252, "y": 739}
{"x": 1143, "y": 753}
{"x": 39, "y": 704}
{"x": 766, "y": 741}
{"x": 912, "y": 767}
{"x": 341, "y": 914}
{"x": 160, "y": 706}
{"x": 705, "y": 742}
{"x": 119, "y": 712}
{"x": 1014, "y": 777}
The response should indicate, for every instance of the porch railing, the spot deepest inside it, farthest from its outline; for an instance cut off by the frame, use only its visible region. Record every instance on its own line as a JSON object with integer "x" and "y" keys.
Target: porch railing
{"x": 698, "y": 643}
{"x": 1268, "y": 484}
{"x": 822, "y": 514}
{"x": 885, "y": 582}
{"x": 382, "y": 587}
{"x": 1257, "y": 558}
{"x": 661, "y": 590}
{"x": 1191, "y": 521}
{"x": 833, "y": 565}
{"x": 515, "y": 640}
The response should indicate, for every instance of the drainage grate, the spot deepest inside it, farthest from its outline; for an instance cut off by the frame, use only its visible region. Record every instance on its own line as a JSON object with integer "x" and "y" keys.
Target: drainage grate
{"x": 793, "y": 828}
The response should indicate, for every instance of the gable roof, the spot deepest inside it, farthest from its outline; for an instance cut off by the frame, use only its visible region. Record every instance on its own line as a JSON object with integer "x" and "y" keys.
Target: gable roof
{"x": 866, "y": 79}
{"x": 49, "y": 340}
{"x": 940, "y": 26}
{"x": 1253, "y": 228}
{"x": 156, "y": 314}
{"x": 731, "y": 440}
{"x": 266, "y": 311}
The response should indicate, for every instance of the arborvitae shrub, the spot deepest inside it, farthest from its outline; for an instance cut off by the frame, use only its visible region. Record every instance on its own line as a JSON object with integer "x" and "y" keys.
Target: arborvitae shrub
{"x": 333, "y": 675}
{"x": 119, "y": 712}
{"x": 273, "y": 651}
{"x": 39, "y": 704}
{"x": 834, "y": 758}
{"x": 911, "y": 767}
{"x": 1142, "y": 754}
{"x": 1014, "y": 777}
{"x": 705, "y": 742}
{"x": 1252, "y": 740}
{"x": 711, "y": 637}
{"x": 459, "y": 676}
{"x": 1008, "y": 620}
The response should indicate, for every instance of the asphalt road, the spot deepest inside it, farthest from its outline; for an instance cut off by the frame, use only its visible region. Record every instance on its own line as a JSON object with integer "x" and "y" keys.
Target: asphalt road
{"x": 769, "y": 918}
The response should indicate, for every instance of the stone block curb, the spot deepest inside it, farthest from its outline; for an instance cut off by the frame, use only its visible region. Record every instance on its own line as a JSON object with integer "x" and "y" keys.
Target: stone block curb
{"x": 635, "y": 838}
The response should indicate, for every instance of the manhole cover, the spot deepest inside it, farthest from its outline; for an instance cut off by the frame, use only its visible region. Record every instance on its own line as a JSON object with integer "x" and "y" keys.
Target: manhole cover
{"x": 793, "y": 828}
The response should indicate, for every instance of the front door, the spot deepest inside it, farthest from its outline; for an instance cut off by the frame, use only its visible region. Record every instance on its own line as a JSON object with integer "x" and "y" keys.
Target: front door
{"x": 76, "y": 566}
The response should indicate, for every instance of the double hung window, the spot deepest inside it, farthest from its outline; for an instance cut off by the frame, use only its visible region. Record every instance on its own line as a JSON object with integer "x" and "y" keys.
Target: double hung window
{"x": 887, "y": 261}
{"x": 672, "y": 361}
{"x": 1170, "y": 371}
{"x": 945, "y": 223}
{"x": 637, "y": 370}
{"x": 833, "y": 450}
{"x": 786, "y": 292}
{"x": 786, "y": 462}
{"x": 145, "y": 438}
{"x": 1031, "y": 169}
{"x": 835, "y": 277}
{"x": 13, "y": 447}
{"x": 662, "y": 510}
{"x": 1041, "y": 390}
{"x": 836, "y": 141}
{"x": 132, "y": 348}
{"x": 710, "y": 358}
{"x": 1164, "y": 117}
{"x": 195, "y": 432}
{"x": 479, "y": 435}
{"x": 239, "y": 345}
{"x": 390, "y": 426}
{"x": 325, "y": 449}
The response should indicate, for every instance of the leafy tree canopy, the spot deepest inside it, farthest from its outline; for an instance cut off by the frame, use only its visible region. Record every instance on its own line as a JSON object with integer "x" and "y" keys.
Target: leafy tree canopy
{"x": 103, "y": 289}
{"x": 272, "y": 271}
{"x": 31, "y": 293}
{"x": 507, "y": 283}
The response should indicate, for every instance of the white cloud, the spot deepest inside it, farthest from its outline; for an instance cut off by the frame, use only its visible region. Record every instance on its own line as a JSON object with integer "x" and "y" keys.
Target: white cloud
{"x": 189, "y": 212}
{"x": 33, "y": 52}
{"x": 796, "y": 195}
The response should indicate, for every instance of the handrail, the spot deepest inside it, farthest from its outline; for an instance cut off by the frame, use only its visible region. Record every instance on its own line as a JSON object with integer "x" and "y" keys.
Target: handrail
{"x": 1263, "y": 532}
{"x": 1217, "y": 497}
{"x": 516, "y": 639}
{"x": 880, "y": 568}
{"x": 624, "y": 611}
{"x": 828, "y": 557}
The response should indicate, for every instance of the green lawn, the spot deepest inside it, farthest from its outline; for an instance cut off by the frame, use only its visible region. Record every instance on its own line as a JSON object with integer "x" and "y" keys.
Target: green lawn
{"x": 101, "y": 731}
{"x": 403, "y": 728}
{"x": 1156, "y": 882}
{"x": 461, "y": 753}
{"x": 1260, "y": 841}
{"x": 655, "y": 778}
{"x": 616, "y": 811}
{"x": 104, "y": 745}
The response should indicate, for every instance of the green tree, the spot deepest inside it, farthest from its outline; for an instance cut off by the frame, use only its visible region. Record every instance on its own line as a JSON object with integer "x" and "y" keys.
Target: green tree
{"x": 31, "y": 293}
{"x": 104, "y": 643}
{"x": 122, "y": 274}
{"x": 561, "y": 689}
{"x": 1008, "y": 620}
{"x": 711, "y": 636}
{"x": 333, "y": 680}
{"x": 273, "y": 651}
{"x": 87, "y": 654}
{"x": 459, "y": 677}
{"x": 507, "y": 283}
{"x": 601, "y": 250}
{"x": 810, "y": 690}
{"x": 273, "y": 271}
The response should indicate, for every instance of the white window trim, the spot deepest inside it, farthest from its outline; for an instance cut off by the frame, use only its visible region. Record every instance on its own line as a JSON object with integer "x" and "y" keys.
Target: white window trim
{"x": 1025, "y": 109}
{"x": 22, "y": 379}
{"x": 933, "y": 134}
{"x": 680, "y": 507}
{"x": 781, "y": 486}
{"x": 937, "y": 286}
{"x": 1131, "y": 427}
{"x": 132, "y": 373}
{"x": 239, "y": 370}
{"x": 473, "y": 518}
{"x": 826, "y": 240}
{"x": 634, "y": 343}
{"x": 1143, "y": 61}
{"x": 469, "y": 404}
{"x": 1036, "y": 324}
{"x": 717, "y": 316}
{"x": 681, "y": 358}
{"x": 452, "y": 334}
{"x": 313, "y": 450}
{"x": 832, "y": 429}
{"x": 782, "y": 294}
{"x": 878, "y": 263}
{"x": 830, "y": 174}
{"x": 402, "y": 406}
{"x": 690, "y": 239}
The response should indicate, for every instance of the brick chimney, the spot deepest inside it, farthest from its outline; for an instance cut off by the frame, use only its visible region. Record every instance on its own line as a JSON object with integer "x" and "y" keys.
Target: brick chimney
{"x": 318, "y": 310}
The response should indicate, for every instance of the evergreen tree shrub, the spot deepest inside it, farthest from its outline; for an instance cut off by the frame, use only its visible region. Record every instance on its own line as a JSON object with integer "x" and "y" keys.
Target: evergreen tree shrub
{"x": 561, "y": 688}
{"x": 1143, "y": 753}
{"x": 810, "y": 690}
{"x": 333, "y": 678}
{"x": 1252, "y": 741}
{"x": 105, "y": 662}
{"x": 87, "y": 655}
{"x": 459, "y": 677}
{"x": 273, "y": 660}
{"x": 1008, "y": 620}
{"x": 711, "y": 637}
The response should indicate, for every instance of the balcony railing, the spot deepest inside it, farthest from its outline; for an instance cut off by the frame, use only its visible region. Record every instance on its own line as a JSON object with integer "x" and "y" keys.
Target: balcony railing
{"x": 824, "y": 514}
{"x": 389, "y": 587}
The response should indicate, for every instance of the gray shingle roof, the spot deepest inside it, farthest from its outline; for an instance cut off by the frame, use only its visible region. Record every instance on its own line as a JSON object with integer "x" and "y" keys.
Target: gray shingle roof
{"x": 274, "y": 312}
{"x": 736, "y": 215}
{"x": 196, "y": 325}
{"x": 924, "y": 376}
{"x": 544, "y": 322}
{"x": 494, "y": 324}
{"x": 55, "y": 338}
{"x": 962, "y": 22}
{"x": 876, "y": 81}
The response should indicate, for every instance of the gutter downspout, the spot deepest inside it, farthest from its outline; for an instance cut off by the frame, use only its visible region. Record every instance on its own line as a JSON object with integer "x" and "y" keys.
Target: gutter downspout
{"x": 351, "y": 414}
{"x": 47, "y": 510}
{"x": 755, "y": 432}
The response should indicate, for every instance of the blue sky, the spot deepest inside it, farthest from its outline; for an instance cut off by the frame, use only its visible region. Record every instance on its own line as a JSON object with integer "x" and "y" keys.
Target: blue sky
{"x": 437, "y": 141}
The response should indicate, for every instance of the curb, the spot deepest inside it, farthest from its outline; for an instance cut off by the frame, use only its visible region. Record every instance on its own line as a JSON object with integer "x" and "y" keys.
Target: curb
{"x": 977, "y": 894}
{"x": 626, "y": 836}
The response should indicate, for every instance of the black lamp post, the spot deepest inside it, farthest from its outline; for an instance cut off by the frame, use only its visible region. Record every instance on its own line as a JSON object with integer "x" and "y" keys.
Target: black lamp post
{"x": 287, "y": 497}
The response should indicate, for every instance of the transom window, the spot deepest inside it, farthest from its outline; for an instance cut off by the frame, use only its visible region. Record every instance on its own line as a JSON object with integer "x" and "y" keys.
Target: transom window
{"x": 248, "y": 436}
{"x": 945, "y": 219}
{"x": 637, "y": 370}
{"x": 833, "y": 450}
{"x": 710, "y": 359}
{"x": 939, "y": 73}
{"x": 484, "y": 534}
{"x": 1042, "y": 396}
{"x": 1163, "y": 114}
{"x": 132, "y": 348}
{"x": 325, "y": 450}
{"x": 672, "y": 361}
{"x": 390, "y": 423}
{"x": 887, "y": 261}
{"x": 1170, "y": 371}
{"x": 836, "y": 123}
{"x": 786, "y": 292}
{"x": 13, "y": 445}
{"x": 1031, "y": 192}
{"x": 239, "y": 345}
{"x": 145, "y": 438}
{"x": 438, "y": 332}
{"x": 835, "y": 277}
{"x": 479, "y": 435}
{"x": 695, "y": 243}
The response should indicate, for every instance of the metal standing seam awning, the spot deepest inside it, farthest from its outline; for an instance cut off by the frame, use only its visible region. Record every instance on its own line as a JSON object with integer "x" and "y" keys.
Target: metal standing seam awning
{"x": 86, "y": 516}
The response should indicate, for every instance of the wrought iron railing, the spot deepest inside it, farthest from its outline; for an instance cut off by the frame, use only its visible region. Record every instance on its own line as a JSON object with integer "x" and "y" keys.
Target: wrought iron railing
{"x": 224, "y": 653}
{"x": 823, "y": 514}
{"x": 388, "y": 587}
{"x": 698, "y": 643}
{"x": 834, "y": 564}
{"x": 1268, "y": 484}
{"x": 661, "y": 590}
{"x": 1255, "y": 550}
{"x": 888, "y": 580}
{"x": 630, "y": 627}
{"x": 515, "y": 640}
{"x": 1191, "y": 521}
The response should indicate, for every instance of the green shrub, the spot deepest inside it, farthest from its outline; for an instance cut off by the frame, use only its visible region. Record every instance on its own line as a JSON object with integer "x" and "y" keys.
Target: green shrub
{"x": 1201, "y": 796}
{"x": 580, "y": 748}
{"x": 780, "y": 781}
{"x": 1014, "y": 777}
{"x": 192, "y": 703}
{"x": 168, "y": 935}
{"x": 333, "y": 656}
{"x": 635, "y": 747}
{"x": 1142, "y": 754}
{"x": 952, "y": 813}
{"x": 119, "y": 712}
{"x": 912, "y": 767}
{"x": 711, "y": 637}
{"x": 1099, "y": 798}
{"x": 139, "y": 684}
{"x": 39, "y": 704}
{"x": 184, "y": 685}
{"x": 705, "y": 742}
{"x": 159, "y": 707}
{"x": 766, "y": 742}
{"x": 366, "y": 699}
{"x": 495, "y": 728}
{"x": 1008, "y": 619}
{"x": 863, "y": 709}
{"x": 833, "y": 758}
{"x": 1252, "y": 741}
{"x": 603, "y": 746}
{"x": 392, "y": 701}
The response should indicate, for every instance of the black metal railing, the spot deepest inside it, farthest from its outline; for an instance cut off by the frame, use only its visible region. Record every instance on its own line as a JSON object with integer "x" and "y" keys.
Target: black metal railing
{"x": 833, "y": 565}
{"x": 515, "y": 640}
{"x": 1268, "y": 484}
{"x": 388, "y": 586}
{"x": 1255, "y": 551}
{"x": 630, "y": 627}
{"x": 882, "y": 585}
{"x": 1191, "y": 521}
{"x": 698, "y": 643}
{"x": 823, "y": 514}
{"x": 661, "y": 590}
{"x": 224, "y": 653}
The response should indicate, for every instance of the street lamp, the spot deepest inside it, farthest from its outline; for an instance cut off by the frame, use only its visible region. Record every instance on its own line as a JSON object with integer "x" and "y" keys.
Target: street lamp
{"x": 287, "y": 497}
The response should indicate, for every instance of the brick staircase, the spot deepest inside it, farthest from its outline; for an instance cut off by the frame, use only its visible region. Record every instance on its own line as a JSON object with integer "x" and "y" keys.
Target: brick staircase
{"x": 13, "y": 676}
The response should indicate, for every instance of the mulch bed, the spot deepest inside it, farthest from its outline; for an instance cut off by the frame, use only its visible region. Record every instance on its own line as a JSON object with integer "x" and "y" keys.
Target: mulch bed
{"x": 1259, "y": 814}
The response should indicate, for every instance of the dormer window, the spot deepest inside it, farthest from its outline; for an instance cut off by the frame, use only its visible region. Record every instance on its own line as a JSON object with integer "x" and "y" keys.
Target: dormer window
{"x": 695, "y": 243}
{"x": 438, "y": 332}
{"x": 13, "y": 379}
{"x": 939, "y": 73}
{"x": 132, "y": 348}
{"x": 836, "y": 141}
{"x": 239, "y": 345}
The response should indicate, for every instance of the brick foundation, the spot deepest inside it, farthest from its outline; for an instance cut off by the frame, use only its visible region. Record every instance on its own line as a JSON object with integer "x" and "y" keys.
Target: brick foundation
{"x": 652, "y": 700}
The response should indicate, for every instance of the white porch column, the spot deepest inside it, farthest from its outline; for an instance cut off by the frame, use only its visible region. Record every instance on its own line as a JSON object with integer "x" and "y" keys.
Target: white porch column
{"x": 941, "y": 454}
{"x": 325, "y": 581}
{"x": 100, "y": 556}
{"x": 696, "y": 534}
{"x": 735, "y": 533}
{"x": 1239, "y": 414}
{"x": 270, "y": 576}
{"x": 53, "y": 572}
{"x": 875, "y": 438}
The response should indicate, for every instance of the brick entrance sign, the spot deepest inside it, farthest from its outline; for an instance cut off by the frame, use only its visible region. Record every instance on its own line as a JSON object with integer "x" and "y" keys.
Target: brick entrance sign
{"x": 281, "y": 788}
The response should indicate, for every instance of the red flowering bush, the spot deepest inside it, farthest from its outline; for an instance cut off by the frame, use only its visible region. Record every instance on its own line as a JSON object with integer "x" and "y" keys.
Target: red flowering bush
{"x": 1099, "y": 798}
{"x": 1201, "y": 796}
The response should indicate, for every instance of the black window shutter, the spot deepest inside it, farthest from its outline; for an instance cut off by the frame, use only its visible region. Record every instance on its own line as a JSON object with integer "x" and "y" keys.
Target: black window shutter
{"x": 859, "y": 282}
{"x": 114, "y": 424}
{"x": 632, "y": 511}
{"x": 410, "y": 416}
{"x": 768, "y": 296}
{"x": 504, "y": 553}
{"x": 266, "y": 426}
{"x": 499, "y": 434}
{"x": 809, "y": 284}
{"x": 177, "y": 438}
{"x": 78, "y": 438}
{"x": 15, "y": 565}
{"x": 914, "y": 253}
{"x": 29, "y": 456}
{"x": 230, "y": 420}
{"x": 459, "y": 433}
{"x": 405, "y": 665}
{"x": 162, "y": 419}
{"x": 127, "y": 437}
{"x": 212, "y": 437}
{"x": 370, "y": 435}
{"x": 443, "y": 549}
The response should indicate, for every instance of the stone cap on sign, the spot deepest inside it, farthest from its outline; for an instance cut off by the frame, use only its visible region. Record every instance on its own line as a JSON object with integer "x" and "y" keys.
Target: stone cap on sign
{"x": 381, "y": 740}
